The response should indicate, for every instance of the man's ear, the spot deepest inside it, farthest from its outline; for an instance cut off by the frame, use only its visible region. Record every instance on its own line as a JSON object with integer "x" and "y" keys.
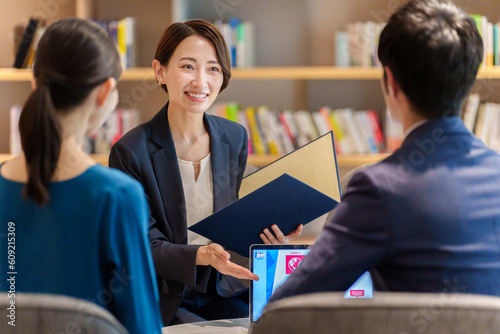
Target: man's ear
{"x": 104, "y": 89}
{"x": 391, "y": 83}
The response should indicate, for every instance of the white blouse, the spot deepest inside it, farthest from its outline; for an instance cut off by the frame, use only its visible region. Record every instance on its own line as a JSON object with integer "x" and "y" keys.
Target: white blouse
{"x": 198, "y": 195}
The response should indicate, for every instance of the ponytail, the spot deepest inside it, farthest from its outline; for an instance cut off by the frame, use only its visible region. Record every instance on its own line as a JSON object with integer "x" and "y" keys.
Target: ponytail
{"x": 41, "y": 138}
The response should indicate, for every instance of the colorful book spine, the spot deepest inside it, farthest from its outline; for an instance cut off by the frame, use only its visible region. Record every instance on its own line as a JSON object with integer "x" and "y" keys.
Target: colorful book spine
{"x": 123, "y": 32}
{"x": 242, "y": 119}
{"x": 232, "y": 111}
{"x": 490, "y": 46}
{"x": 259, "y": 147}
{"x": 240, "y": 40}
{"x": 27, "y": 43}
{"x": 287, "y": 129}
{"x": 495, "y": 45}
{"x": 233, "y": 23}
{"x": 376, "y": 129}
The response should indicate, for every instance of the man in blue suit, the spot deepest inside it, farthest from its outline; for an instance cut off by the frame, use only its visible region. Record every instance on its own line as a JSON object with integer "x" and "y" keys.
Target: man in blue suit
{"x": 427, "y": 218}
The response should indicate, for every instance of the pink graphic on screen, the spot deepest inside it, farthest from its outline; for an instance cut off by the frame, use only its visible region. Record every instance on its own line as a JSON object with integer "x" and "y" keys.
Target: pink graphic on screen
{"x": 292, "y": 262}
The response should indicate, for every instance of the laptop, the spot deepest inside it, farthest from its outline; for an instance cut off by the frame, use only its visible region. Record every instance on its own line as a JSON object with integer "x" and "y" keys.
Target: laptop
{"x": 275, "y": 263}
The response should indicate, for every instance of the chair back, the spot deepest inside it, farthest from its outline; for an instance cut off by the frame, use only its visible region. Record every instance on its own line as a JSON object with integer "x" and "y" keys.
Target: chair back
{"x": 386, "y": 313}
{"x": 47, "y": 313}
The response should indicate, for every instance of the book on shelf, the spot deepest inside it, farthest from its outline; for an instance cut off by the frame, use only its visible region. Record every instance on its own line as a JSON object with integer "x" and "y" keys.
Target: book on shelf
{"x": 394, "y": 133}
{"x": 483, "y": 119}
{"x": 469, "y": 113}
{"x": 124, "y": 34}
{"x": 240, "y": 39}
{"x": 357, "y": 46}
{"x": 279, "y": 132}
{"x": 342, "y": 52}
{"x": 29, "y": 43}
{"x": 15, "y": 138}
{"x": 491, "y": 39}
{"x": 118, "y": 123}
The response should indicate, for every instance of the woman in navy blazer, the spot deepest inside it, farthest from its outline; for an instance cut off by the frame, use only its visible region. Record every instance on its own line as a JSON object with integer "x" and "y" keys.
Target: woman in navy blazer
{"x": 192, "y": 60}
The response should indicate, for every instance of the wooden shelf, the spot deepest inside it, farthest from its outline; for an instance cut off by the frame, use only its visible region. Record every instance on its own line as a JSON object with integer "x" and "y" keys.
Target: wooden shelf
{"x": 14, "y": 74}
{"x": 308, "y": 73}
{"x": 343, "y": 160}
{"x": 260, "y": 73}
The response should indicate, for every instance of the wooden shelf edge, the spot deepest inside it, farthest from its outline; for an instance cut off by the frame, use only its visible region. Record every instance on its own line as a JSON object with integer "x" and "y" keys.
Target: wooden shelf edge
{"x": 101, "y": 159}
{"x": 259, "y": 73}
{"x": 15, "y": 74}
{"x": 343, "y": 160}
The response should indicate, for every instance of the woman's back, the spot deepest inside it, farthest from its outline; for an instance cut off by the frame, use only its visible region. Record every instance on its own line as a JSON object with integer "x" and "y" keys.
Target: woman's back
{"x": 88, "y": 242}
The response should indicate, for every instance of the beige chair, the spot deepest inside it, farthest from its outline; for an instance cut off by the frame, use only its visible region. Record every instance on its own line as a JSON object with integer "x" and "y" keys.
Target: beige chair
{"x": 45, "y": 313}
{"x": 386, "y": 313}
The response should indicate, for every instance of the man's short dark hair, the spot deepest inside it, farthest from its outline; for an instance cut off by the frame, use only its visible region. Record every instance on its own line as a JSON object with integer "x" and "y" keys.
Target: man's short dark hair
{"x": 434, "y": 51}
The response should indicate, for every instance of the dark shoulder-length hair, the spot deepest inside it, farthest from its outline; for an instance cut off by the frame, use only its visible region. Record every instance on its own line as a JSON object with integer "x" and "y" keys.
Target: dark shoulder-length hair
{"x": 177, "y": 32}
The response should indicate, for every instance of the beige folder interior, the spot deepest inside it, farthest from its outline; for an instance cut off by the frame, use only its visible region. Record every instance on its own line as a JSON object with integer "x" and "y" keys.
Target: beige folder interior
{"x": 314, "y": 164}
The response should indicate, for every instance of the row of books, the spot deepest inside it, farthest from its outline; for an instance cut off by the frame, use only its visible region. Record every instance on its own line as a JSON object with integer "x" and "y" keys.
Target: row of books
{"x": 280, "y": 132}
{"x": 358, "y": 45}
{"x": 117, "y": 124}
{"x": 491, "y": 39}
{"x": 27, "y": 47}
{"x": 123, "y": 32}
{"x": 240, "y": 39}
{"x": 483, "y": 119}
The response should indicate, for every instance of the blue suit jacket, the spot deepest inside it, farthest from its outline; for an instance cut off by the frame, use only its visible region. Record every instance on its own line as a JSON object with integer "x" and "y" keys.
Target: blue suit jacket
{"x": 426, "y": 219}
{"x": 147, "y": 153}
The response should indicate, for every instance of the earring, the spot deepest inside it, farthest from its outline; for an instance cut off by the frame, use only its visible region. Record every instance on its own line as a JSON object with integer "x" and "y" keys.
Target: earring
{"x": 159, "y": 83}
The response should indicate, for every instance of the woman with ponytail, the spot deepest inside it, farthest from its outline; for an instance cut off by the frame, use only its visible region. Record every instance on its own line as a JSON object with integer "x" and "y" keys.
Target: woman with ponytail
{"x": 79, "y": 229}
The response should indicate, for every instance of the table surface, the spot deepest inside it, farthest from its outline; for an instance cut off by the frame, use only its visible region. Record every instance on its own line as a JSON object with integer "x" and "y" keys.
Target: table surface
{"x": 226, "y": 326}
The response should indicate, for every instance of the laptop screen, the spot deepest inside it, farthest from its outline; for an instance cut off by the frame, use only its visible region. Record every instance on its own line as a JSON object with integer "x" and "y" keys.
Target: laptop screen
{"x": 275, "y": 263}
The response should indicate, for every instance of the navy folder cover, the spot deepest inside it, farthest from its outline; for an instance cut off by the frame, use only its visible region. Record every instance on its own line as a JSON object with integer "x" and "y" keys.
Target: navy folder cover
{"x": 285, "y": 201}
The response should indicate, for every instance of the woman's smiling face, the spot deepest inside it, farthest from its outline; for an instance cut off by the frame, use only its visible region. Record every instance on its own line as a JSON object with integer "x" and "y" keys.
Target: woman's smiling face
{"x": 193, "y": 75}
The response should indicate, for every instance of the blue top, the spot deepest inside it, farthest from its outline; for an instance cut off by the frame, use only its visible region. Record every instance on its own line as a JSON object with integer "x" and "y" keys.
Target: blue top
{"x": 89, "y": 242}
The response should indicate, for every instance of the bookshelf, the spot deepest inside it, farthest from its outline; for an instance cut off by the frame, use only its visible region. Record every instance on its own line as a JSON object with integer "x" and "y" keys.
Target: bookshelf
{"x": 295, "y": 49}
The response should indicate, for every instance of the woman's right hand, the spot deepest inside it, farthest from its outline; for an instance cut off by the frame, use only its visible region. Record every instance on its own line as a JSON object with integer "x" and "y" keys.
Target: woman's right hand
{"x": 215, "y": 256}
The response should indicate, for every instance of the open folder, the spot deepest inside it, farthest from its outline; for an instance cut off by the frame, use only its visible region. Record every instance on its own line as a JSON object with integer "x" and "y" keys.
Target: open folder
{"x": 293, "y": 190}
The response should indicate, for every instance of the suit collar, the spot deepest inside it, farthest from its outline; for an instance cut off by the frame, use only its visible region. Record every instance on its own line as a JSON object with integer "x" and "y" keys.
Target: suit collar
{"x": 219, "y": 149}
{"x": 160, "y": 129}
{"x": 168, "y": 176}
{"x": 162, "y": 135}
{"x": 446, "y": 125}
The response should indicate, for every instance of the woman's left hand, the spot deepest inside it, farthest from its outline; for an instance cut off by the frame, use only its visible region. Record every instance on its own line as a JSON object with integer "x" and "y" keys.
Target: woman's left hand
{"x": 278, "y": 238}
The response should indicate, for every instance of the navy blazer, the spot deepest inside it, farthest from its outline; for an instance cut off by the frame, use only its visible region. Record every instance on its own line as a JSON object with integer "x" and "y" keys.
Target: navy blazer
{"x": 147, "y": 153}
{"x": 426, "y": 219}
